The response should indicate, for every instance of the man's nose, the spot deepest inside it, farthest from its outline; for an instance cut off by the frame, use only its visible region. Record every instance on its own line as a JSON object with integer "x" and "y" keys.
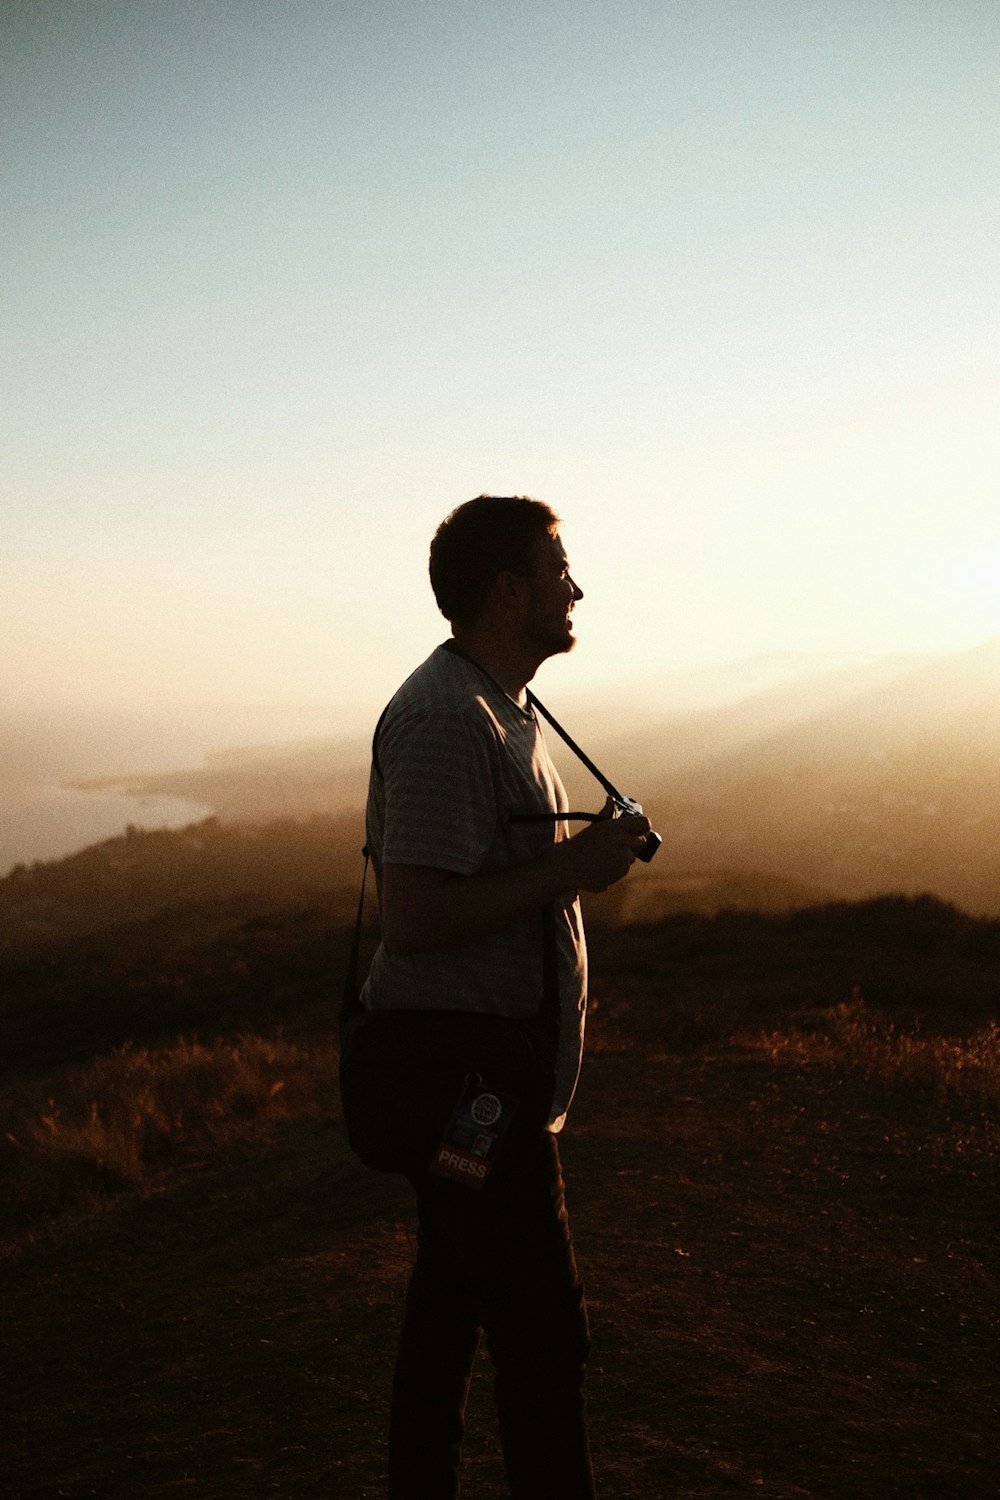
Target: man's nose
{"x": 577, "y": 590}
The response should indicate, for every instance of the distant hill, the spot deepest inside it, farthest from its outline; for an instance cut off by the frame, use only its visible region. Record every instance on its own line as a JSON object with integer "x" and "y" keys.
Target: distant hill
{"x": 895, "y": 787}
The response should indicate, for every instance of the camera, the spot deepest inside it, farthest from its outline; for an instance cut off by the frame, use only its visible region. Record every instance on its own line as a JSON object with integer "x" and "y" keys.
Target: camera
{"x": 651, "y": 842}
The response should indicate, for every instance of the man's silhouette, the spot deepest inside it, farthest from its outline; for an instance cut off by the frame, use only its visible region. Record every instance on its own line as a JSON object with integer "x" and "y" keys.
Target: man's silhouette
{"x": 480, "y": 914}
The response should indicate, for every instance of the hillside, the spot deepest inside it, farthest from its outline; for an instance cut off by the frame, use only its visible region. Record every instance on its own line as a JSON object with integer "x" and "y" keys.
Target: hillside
{"x": 791, "y": 1277}
{"x": 783, "y": 1193}
{"x": 131, "y": 878}
{"x": 202, "y": 951}
{"x": 782, "y": 1163}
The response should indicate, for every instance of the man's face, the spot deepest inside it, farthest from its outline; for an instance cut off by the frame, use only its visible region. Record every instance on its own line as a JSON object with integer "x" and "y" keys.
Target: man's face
{"x": 552, "y": 597}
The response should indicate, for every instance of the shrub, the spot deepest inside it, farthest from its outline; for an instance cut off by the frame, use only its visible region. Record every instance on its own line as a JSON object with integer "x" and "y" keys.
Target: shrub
{"x": 954, "y": 1068}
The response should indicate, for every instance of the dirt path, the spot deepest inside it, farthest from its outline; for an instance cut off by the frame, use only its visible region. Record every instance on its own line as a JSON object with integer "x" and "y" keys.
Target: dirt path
{"x": 793, "y": 1288}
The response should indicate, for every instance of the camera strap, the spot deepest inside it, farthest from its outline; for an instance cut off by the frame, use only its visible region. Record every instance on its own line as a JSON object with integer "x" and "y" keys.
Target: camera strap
{"x": 581, "y": 755}
{"x": 538, "y": 706}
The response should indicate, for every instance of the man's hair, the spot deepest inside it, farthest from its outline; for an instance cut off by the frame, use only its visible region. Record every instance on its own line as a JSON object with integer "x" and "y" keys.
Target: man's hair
{"x": 483, "y": 538}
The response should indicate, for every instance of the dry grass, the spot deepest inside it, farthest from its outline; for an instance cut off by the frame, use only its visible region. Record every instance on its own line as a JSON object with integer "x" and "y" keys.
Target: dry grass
{"x": 138, "y": 1111}
{"x": 850, "y": 1035}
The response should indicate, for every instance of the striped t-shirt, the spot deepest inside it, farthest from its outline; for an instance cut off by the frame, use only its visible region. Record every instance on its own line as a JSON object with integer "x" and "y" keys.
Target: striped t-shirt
{"x": 457, "y": 758}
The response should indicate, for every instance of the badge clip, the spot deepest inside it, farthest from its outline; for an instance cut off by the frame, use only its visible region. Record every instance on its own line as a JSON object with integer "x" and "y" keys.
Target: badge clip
{"x": 472, "y": 1137}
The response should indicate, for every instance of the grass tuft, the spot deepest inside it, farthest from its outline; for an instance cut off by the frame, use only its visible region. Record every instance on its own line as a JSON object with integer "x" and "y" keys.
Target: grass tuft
{"x": 138, "y": 1111}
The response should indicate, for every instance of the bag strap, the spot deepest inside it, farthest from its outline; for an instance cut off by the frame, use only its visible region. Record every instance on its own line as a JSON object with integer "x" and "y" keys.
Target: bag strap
{"x": 350, "y": 1001}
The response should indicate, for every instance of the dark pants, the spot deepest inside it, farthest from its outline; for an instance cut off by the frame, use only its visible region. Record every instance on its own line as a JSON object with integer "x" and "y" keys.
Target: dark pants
{"x": 498, "y": 1260}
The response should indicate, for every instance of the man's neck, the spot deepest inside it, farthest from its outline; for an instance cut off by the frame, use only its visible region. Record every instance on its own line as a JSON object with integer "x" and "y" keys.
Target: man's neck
{"x": 511, "y": 664}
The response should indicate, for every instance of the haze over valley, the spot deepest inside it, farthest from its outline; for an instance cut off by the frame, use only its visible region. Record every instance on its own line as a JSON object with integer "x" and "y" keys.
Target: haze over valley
{"x": 777, "y": 780}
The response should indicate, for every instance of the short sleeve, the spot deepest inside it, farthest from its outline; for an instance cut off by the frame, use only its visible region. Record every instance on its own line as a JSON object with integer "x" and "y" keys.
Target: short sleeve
{"x": 440, "y": 770}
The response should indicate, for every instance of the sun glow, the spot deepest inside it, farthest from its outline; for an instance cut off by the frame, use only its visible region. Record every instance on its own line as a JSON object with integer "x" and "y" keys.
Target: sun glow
{"x": 766, "y": 413}
{"x": 975, "y": 580}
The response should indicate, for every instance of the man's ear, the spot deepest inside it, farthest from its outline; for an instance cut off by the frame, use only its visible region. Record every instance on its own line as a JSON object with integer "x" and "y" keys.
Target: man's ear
{"x": 510, "y": 589}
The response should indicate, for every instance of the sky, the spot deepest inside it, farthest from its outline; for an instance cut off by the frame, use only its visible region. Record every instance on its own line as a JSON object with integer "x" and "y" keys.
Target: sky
{"x": 286, "y": 282}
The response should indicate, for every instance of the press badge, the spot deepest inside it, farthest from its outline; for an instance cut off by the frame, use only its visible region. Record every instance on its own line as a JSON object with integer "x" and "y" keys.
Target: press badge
{"x": 472, "y": 1137}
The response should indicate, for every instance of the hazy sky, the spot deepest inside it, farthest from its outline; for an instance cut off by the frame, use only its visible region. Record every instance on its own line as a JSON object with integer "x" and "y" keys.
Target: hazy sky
{"x": 285, "y": 282}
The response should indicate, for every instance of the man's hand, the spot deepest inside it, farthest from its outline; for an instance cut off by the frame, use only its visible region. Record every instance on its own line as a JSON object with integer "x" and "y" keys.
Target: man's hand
{"x": 605, "y": 852}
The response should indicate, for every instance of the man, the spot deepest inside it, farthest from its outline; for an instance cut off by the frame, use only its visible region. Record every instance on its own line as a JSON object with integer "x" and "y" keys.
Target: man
{"x": 478, "y": 887}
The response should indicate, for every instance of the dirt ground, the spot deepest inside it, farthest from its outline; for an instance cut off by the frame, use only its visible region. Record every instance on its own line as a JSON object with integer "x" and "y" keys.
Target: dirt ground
{"x": 792, "y": 1279}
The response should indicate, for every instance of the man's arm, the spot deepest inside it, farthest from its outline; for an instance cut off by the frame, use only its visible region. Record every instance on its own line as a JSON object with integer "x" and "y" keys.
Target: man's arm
{"x": 424, "y": 909}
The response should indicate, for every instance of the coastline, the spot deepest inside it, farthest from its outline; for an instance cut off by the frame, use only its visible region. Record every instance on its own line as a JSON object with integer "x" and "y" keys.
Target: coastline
{"x": 52, "y": 820}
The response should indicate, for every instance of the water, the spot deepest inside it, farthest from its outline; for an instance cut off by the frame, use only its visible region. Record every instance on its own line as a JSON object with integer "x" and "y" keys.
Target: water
{"x": 47, "y": 822}
{"x": 46, "y": 751}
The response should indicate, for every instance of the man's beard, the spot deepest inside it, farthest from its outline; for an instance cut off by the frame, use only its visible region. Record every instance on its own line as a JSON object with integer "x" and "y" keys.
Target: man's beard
{"x": 553, "y": 642}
